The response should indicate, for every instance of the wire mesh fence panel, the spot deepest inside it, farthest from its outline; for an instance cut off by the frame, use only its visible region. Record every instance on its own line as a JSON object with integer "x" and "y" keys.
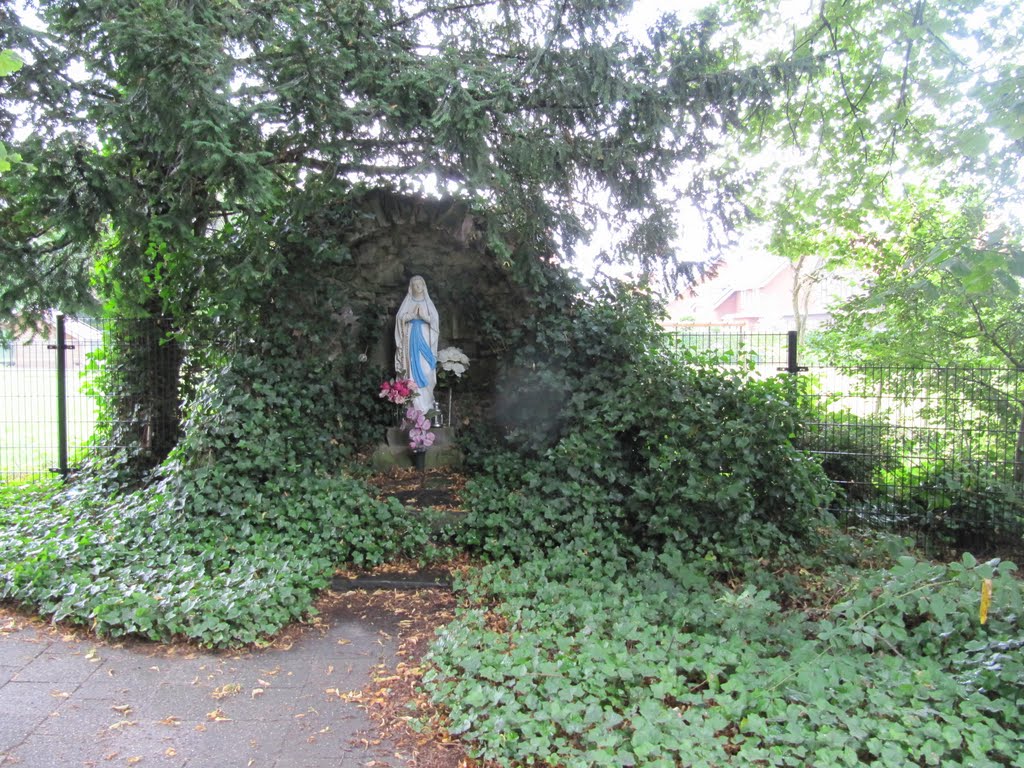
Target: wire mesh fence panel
{"x": 29, "y": 435}
{"x": 28, "y": 403}
{"x": 933, "y": 453}
{"x": 131, "y": 357}
{"x": 767, "y": 351}
{"x": 87, "y": 339}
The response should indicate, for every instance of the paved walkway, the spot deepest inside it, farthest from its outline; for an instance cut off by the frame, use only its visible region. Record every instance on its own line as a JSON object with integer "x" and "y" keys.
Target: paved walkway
{"x": 70, "y": 700}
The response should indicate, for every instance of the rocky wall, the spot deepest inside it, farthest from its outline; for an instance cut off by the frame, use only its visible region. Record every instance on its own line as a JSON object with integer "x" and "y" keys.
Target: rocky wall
{"x": 396, "y": 237}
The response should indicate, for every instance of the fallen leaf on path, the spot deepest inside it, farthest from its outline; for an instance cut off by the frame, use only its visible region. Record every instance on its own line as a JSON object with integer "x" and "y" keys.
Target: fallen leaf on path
{"x": 256, "y": 692}
{"x": 217, "y": 716}
{"x": 122, "y": 709}
{"x": 229, "y": 689}
{"x": 122, "y": 724}
{"x": 352, "y": 697}
{"x": 170, "y": 720}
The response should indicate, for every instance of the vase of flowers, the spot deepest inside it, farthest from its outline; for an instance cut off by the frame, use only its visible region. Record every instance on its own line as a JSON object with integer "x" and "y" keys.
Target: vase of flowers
{"x": 420, "y": 436}
{"x": 452, "y": 363}
{"x": 400, "y": 392}
{"x": 419, "y": 459}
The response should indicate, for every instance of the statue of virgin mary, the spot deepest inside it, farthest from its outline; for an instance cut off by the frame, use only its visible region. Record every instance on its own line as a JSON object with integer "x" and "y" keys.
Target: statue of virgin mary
{"x": 416, "y": 333}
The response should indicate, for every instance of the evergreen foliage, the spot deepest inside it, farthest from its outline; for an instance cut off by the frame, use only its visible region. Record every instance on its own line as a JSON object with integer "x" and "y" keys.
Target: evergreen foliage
{"x": 234, "y": 535}
{"x": 161, "y": 122}
{"x": 166, "y": 135}
{"x": 169, "y": 561}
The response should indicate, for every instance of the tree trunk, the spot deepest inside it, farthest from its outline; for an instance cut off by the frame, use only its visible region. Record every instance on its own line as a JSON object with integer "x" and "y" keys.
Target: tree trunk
{"x": 143, "y": 386}
{"x": 800, "y": 296}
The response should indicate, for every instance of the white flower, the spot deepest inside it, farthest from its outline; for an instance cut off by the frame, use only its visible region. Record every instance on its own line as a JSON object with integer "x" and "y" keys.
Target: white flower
{"x": 453, "y": 360}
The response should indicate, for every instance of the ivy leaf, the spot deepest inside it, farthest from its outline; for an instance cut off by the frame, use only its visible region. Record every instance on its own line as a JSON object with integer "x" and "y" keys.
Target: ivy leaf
{"x": 10, "y": 62}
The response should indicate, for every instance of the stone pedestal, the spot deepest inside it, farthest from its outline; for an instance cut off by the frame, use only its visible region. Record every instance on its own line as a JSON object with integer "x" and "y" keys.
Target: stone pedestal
{"x": 395, "y": 452}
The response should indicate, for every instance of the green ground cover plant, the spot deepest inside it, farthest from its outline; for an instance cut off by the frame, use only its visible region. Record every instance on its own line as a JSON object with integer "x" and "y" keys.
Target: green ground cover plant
{"x": 581, "y": 661}
{"x": 233, "y": 535}
{"x": 665, "y": 590}
{"x": 147, "y": 564}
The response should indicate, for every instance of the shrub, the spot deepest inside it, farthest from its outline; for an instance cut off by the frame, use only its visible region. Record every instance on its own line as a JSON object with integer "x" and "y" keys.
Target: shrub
{"x": 651, "y": 448}
{"x": 235, "y": 533}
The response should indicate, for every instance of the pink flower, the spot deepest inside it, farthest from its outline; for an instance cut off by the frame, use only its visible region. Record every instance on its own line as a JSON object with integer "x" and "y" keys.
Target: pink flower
{"x": 420, "y": 436}
{"x": 398, "y": 391}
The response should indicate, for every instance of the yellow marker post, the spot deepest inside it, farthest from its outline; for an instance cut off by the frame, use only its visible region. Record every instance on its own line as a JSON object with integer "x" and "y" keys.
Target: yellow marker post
{"x": 986, "y": 599}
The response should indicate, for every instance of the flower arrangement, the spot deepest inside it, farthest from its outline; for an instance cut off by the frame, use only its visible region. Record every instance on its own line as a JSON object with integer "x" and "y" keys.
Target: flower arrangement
{"x": 398, "y": 391}
{"x": 451, "y": 361}
{"x": 420, "y": 436}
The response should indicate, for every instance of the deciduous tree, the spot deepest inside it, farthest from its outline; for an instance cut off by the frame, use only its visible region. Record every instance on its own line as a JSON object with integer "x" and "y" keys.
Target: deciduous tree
{"x": 912, "y": 92}
{"x": 943, "y": 294}
{"x": 902, "y": 160}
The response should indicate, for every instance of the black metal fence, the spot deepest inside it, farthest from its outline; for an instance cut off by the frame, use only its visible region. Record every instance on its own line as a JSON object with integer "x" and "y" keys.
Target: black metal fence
{"x": 50, "y": 417}
{"x": 932, "y": 453}
{"x": 47, "y": 415}
{"x": 768, "y": 352}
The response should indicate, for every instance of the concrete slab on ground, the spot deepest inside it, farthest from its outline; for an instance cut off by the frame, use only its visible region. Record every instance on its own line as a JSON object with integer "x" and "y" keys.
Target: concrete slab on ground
{"x": 70, "y": 700}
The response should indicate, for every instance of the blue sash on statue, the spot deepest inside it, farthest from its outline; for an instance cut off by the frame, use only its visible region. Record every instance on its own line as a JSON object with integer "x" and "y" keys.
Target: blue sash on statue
{"x": 420, "y": 352}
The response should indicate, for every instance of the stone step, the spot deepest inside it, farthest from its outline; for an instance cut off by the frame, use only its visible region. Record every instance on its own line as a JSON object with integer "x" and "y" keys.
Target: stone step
{"x": 429, "y": 579}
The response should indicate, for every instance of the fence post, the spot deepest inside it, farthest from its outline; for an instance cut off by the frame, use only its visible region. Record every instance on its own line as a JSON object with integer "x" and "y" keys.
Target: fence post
{"x": 792, "y": 365}
{"x": 62, "y": 399}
